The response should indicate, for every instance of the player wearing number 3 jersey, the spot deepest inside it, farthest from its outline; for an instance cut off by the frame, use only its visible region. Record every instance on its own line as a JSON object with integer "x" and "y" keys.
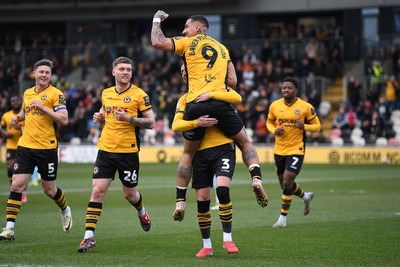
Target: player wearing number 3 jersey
{"x": 125, "y": 109}
{"x": 208, "y": 67}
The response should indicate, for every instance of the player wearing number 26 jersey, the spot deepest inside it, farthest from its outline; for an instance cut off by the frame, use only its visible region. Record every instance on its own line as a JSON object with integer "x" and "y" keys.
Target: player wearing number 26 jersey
{"x": 125, "y": 109}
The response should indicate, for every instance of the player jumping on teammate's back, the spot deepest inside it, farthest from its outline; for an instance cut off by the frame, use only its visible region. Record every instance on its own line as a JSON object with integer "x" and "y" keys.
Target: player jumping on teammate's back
{"x": 209, "y": 69}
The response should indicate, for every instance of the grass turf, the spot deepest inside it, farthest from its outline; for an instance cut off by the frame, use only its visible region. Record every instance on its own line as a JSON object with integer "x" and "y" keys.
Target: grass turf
{"x": 354, "y": 221}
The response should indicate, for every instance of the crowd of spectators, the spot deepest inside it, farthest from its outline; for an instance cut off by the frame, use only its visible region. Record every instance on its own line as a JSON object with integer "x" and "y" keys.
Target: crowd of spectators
{"x": 372, "y": 102}
{"x": 259, "y": 77}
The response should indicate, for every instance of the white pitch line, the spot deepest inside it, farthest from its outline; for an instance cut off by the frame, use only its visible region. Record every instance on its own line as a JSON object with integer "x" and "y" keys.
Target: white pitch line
{"x": 235, "y": 182}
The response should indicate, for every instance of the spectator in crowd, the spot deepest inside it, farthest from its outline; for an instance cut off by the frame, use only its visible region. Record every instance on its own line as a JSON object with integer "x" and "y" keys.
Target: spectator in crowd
{"x": 354, "y": 91}
{"x": 339, "y": 121}
{"x": 377, "y": 75}
{"x": 372, "y": 127}
{"x": 288, "y": 64}
{"x": 261, "y": 130}
{"x": 311, "y": 50}
{"x": 392, "y": 87}
{"x": 266, "y": 51}
{"x": 250, "y": 57}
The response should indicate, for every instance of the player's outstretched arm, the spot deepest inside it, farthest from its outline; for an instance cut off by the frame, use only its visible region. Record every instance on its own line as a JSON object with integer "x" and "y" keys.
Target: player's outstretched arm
{"x": 158, "y": 39}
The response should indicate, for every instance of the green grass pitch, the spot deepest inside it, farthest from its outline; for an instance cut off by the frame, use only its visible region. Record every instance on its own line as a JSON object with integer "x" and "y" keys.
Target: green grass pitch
{"x": 354, "y": 221}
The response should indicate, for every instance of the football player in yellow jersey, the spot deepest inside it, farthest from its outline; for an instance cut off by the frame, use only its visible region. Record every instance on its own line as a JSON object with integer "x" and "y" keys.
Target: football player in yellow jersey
{"x": 216, "y": 155}
{"x": 43, "y": 107}
{"x": 125, "y": 109}
{"x": 289, "y": 118}
{"x": 12, "y": 133}
{"x": 209, "y": 69}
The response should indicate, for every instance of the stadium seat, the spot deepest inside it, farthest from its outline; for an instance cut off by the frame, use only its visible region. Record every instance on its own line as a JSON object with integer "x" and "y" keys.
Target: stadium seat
{"x": 75, "y": 141}
{"x": 324, "y": 109}
{"x": 150, "y": 136}
{"x": 393, "y": 141}
{"x": 356, "y": 132}
{"x": 338, "y": 141}
{"x": 395, "y": 114}
{"x": 381, "y": 141}
{"x": 358, "y": 141}
{"x": 335, "y": 133}
{"x": 250, "y": 134}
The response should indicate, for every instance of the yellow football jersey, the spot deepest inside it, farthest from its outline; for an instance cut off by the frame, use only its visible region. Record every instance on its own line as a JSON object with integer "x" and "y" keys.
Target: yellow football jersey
{"x": 206, "y": 62}
{"x": 292, "y": 142}
{"x": 213, "y": 136}
{"x": 39, "y": 130}
{"x": 11, "y": 143}
{"x": 122, "y": 136}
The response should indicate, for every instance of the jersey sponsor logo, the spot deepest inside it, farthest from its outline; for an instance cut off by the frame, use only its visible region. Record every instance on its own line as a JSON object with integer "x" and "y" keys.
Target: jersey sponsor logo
{"x": 33, "y": 111}
{"x": 43, "y": 97}
{"x": 112, "y": 110}
{"x": 209, "y": 78}
{"x": 127, "y": 99}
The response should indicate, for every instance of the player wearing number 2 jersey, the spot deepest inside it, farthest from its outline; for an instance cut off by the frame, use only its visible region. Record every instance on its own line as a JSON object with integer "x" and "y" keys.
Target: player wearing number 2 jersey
{"x": 125, "y": 109}
{"x": 208, "y": 68}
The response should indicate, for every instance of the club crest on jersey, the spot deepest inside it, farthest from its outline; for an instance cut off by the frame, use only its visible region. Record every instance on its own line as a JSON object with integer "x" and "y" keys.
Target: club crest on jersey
{"x": 146, "y": 100}
{"x": 43, "y": 97}
{"x": 127, "y": 99}
{"x": 297, "y": 111}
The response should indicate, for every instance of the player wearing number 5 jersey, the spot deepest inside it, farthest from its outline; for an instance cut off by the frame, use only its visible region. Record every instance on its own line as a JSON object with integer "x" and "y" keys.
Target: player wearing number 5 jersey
{"x": 125, "y": 109}
{"x": 43, "y": 108}
{"x": 289, "y": 118}
{"x": 209, "y": 69}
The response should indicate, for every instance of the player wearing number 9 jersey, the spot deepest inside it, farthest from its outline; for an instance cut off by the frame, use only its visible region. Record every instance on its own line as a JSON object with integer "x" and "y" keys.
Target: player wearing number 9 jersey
{"x": 208, "y": 68}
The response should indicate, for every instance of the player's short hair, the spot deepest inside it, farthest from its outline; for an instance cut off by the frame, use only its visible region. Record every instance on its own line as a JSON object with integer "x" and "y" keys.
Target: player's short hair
{"x": 43, "y": 62}
{"x": 123, "y": 60}
{"x": 292, "y": 80}
{"x": 200, "y": 18}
